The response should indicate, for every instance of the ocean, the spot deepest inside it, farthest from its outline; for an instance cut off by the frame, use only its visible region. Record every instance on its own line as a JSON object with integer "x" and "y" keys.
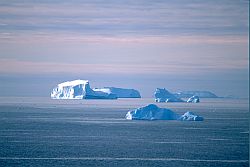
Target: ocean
{"x": 45, "y": 132}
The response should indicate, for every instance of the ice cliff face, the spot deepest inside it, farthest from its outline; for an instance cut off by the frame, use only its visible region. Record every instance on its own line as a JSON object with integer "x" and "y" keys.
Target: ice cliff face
{"x": 120, "y": 92}
{"x": 193, "y": 99}
{"x": 153, "y": 112}
{"x": 78, "y": 89}
{"x": 162, "y": 95}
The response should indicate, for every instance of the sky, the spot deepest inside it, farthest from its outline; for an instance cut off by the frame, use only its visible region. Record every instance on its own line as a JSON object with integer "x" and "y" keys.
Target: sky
{"x": 143, "y": 44}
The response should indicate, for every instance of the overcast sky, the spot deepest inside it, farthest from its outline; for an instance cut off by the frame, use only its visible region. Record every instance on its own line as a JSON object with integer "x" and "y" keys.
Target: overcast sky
{"x": 143, "y": 44}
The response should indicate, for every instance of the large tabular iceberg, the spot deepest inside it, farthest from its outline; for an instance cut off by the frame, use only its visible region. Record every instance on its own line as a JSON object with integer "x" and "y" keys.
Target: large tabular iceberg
{"x": 120, "y": 92}
{"x": 162, "y": 95}
{"x": 153, "y": 112}
{"x": 78, "y": 89}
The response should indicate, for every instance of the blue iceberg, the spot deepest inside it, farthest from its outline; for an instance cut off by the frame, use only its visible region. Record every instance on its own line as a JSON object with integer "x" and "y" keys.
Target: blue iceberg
{"x": 189, "y": 116}
{"x": 162, "y": 95}
{"x": 193, "y": 99}
{"x": 153, "y": 112}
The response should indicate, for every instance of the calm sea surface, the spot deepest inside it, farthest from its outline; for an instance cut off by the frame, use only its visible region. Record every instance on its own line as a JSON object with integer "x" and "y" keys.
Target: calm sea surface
{"x": 44, "y": 132}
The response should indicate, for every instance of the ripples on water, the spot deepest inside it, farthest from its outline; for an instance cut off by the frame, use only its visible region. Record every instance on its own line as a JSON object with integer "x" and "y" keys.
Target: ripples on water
{"x": 45, "y": 132}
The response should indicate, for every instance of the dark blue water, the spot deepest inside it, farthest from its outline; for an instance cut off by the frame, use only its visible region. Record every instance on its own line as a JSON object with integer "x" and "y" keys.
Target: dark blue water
{"x": 40, "y": 132}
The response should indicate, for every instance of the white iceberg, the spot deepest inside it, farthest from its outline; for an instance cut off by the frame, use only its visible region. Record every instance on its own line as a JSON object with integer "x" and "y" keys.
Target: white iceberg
{"x": 153, "y": 112}
{"x": 193, "y": 99}
{"x": 78, "y": 89}
{"x": 120, "y": 92}
{"x": 189, "y": 116}
{"x": 162, "y": 95}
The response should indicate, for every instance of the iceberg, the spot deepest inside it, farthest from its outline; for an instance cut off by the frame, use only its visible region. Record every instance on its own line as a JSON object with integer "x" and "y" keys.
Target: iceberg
{"x": 162, "y": 95}
{"x": 189, "y": 116}
{"x": 201, "y": 94}
{"x": 120, "y": 92}
{"x": 193, "y": 99}
{"x": 153, "y": 112}
{"x": 78, "y": 89}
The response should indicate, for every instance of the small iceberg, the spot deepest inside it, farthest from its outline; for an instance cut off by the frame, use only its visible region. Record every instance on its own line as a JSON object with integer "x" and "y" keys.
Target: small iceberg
{"x": 189, "y": 116}
{"x": 193, "y": 99}
{"x": 153, "y": 112}
{"x": 162, "y": 95}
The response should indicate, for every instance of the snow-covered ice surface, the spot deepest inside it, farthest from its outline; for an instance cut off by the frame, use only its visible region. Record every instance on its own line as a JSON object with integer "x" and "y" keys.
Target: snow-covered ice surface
{"x": 78, "y": 89}
{"x": 153, "y": 112}
{"x": 43, "y": 132}
{"x": 162, "y": 95}
{"x": 120, "y": 92}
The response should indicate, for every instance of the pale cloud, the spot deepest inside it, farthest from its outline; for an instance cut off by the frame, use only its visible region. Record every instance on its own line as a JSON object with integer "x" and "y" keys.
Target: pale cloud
{"x": 202, "y": 41}
{"x": 127, "y": 17}
{"x": 13, "y": 66}
{"x": 74, "y": 37}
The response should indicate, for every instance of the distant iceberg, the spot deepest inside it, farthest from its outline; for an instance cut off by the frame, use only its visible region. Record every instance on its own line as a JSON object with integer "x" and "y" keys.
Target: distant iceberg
{"x": 153, "y": 112}
{"x": 120, "y": 92}
{"x": 189, "y": 116}
{"x": 78, "y": 89}
{"x": 201, "y": 94}
{"x": 193, "y": 99}
{"x": 162, "y": 95}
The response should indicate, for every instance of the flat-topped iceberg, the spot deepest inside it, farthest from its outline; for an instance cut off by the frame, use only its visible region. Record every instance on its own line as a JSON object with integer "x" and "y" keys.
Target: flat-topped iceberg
{"x": 193, "y": 99}
{"x": 120, "y": 92}
{"x": 162, "y": 95}
{"x": 78, "y": 89}
{"x": 153, "y": 112}
{"x": 201, "y": 94}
